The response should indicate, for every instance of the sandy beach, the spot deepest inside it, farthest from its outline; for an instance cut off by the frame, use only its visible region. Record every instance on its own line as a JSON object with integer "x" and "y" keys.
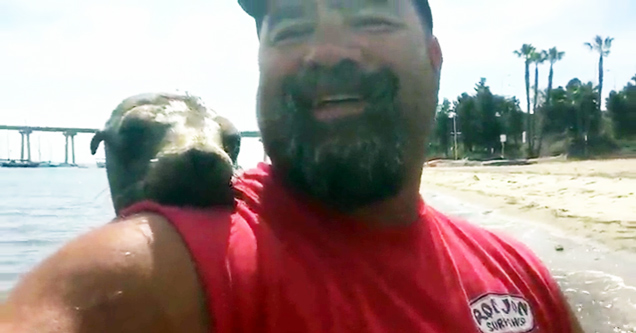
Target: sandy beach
{"x": 595, "y": 199}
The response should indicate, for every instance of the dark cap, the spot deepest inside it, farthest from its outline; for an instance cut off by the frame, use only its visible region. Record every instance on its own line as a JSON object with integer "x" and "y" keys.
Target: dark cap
{"x": 258, "y": 8}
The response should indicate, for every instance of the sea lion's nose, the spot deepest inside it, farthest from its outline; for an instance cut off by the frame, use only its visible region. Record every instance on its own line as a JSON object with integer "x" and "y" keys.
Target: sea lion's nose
{"x": 203, "y": 161}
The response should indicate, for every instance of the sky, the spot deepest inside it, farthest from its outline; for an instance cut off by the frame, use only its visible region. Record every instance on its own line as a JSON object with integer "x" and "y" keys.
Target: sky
{"x": 70, "y": 62}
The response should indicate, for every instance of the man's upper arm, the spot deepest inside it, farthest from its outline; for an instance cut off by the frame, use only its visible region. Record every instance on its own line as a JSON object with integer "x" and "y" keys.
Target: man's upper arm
{"x": 130, "y": 276}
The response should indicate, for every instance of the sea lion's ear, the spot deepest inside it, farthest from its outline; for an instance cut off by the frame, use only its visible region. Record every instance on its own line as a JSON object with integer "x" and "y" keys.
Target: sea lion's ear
{"x": 96, "y": 140}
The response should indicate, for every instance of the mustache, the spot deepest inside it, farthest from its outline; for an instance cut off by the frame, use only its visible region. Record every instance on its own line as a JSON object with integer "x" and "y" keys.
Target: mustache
{"x": 346, "y": 78}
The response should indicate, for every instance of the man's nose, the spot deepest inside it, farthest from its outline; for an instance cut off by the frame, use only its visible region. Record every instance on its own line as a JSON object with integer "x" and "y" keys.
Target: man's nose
{"x": 325, "y": 53}
{"x": 331, "y": 44}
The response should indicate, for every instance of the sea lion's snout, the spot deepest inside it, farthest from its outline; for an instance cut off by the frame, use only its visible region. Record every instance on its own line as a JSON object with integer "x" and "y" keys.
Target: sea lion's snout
{"x": 195, "y": 177}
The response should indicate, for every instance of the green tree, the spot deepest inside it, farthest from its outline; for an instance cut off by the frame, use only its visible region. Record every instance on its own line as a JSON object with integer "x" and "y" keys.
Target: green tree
{"x": 467, "y": 121}
{"x": 602, "y": 46}
{"x": 621, "y": 106}
{"x": 525, "y": 53}
{"x": 511, "y": 118}
{"x": 617, "y": 107}
{"x": 560, "y": 113}
{"x": 572, "y": 93}
{"x": 584, "y": 99}
{"x": 442, "y": 132}
{"x": 488, "y": 112}
{"x": 484, "y": 116}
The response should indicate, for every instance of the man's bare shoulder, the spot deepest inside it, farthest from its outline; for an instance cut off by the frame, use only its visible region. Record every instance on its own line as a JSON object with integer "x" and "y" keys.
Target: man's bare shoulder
{"x": 132, "y": 275}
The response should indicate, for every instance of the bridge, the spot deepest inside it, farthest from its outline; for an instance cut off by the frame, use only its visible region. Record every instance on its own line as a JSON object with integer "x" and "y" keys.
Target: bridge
{"x": 68, "y": 132}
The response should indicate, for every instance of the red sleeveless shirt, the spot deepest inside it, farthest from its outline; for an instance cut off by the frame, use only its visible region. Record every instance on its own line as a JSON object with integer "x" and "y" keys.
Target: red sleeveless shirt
{"x": 281, "y": 264}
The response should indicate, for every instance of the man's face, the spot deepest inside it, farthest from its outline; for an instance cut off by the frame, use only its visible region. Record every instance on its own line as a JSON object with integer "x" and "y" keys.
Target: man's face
{"x": 348, "y": 90}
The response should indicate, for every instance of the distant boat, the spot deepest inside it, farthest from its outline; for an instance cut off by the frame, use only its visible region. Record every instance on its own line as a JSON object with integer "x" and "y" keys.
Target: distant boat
{"x": 49, "y": 165}
{"x": 20, "y": 164}
{"x": 101, "y": 163}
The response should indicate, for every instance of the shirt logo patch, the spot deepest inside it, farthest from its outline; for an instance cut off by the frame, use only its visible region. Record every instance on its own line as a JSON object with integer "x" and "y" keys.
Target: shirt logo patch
{"x": 499, "y": 313}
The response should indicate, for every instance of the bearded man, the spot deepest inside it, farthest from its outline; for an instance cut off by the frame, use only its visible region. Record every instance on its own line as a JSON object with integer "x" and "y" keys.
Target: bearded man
{"x": 333, "y": 236}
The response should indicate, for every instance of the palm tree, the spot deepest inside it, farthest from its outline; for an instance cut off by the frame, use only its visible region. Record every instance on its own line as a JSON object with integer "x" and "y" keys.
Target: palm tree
{"x": 554, "y": 55}
{"x": 537, "y": 58}
{"x": 602, "y": 46}
{"x": 526, "y": 52}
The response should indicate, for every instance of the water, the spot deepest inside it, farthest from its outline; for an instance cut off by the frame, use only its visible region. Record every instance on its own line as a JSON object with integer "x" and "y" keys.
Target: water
{"x": 41, "y": 209}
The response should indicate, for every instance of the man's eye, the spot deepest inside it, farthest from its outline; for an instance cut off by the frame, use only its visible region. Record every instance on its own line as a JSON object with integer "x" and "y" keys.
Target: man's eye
{"x": 291, "y": 34}
{"x": 373, "y": 24}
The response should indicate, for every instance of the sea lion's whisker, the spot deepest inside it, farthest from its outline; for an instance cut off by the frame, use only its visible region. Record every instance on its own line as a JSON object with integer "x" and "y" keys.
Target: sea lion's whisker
{"x": 100, "y": 193}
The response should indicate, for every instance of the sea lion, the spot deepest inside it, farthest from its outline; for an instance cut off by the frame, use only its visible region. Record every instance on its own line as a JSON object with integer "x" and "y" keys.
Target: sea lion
{"x": 171, "y": 149}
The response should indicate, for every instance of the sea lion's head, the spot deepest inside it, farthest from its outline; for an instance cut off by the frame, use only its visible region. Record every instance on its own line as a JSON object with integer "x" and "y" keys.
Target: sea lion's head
{"x": 168, "y": 148}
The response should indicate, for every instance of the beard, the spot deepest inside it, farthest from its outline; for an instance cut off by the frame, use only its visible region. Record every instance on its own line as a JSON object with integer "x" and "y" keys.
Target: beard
{"x": 345, "y": 163}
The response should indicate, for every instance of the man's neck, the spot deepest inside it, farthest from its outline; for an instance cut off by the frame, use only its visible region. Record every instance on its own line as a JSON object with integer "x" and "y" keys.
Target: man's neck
{"x": 400, "y": 210}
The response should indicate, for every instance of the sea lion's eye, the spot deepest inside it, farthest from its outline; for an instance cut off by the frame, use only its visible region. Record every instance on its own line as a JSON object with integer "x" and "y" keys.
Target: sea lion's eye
{"x": 133, "y": 127}
{"x": 135, "y": 135}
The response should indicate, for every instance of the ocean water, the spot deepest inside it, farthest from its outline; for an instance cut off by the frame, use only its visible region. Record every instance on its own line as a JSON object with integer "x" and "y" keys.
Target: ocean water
{"x": 40, "y": 209}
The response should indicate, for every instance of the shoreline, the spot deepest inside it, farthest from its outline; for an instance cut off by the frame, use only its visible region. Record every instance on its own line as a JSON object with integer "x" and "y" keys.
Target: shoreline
{"x": 589, "y": 199}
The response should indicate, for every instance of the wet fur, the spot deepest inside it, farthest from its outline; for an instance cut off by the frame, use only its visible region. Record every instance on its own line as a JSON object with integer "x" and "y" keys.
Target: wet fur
{"x": 181, "y": 158}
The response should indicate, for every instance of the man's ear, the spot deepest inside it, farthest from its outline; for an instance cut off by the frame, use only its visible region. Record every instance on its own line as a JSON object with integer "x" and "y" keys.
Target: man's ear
{"x": 435, "y": 53}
